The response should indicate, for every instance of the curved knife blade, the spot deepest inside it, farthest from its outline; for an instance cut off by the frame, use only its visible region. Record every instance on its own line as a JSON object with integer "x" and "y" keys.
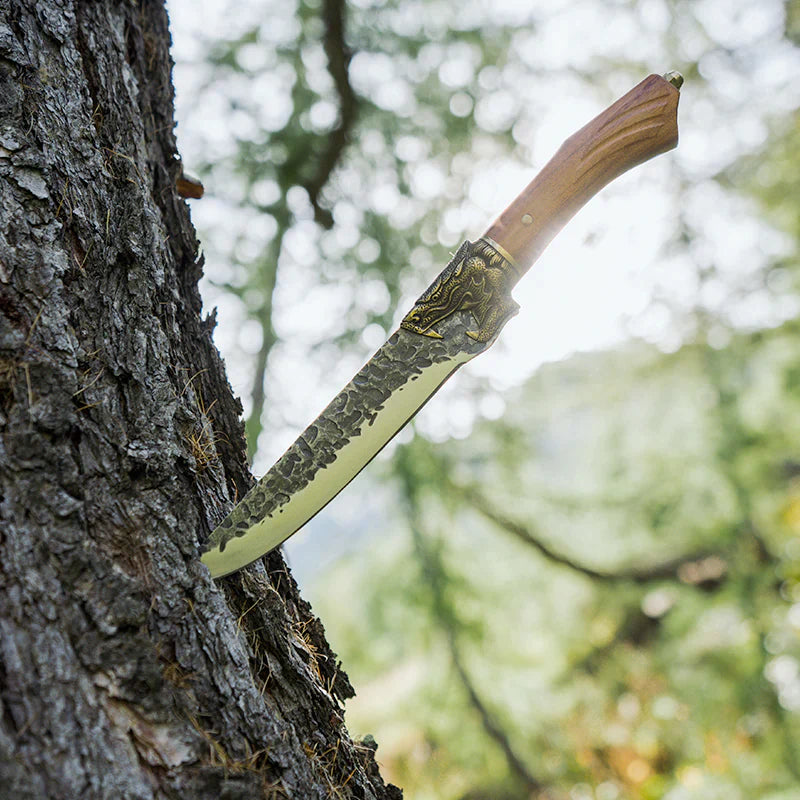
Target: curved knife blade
{"x": 458, "y": 317}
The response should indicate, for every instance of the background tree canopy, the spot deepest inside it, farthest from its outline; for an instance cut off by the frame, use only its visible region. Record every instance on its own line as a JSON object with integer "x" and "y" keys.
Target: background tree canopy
{"x": 571, "y": 579}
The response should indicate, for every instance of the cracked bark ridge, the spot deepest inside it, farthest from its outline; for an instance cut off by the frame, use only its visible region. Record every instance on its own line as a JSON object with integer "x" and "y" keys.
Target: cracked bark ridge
{"x": 124, "y": 671}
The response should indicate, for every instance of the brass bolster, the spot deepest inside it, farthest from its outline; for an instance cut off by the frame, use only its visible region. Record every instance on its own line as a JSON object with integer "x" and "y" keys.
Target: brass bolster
{"x": 479, "y": 280}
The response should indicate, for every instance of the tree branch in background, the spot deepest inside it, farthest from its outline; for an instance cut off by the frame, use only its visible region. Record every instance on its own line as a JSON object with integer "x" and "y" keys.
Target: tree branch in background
{"x": 435, "y": 576}
{"x": 339, "y": 56}
{"x": 268, "y": 273}
{"x": 678, "y": 567}
{"x": 493, "y": 730}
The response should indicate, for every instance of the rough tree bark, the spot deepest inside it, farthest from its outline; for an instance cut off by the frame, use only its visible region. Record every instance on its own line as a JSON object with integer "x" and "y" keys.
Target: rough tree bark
{"x": 126, "y": 672}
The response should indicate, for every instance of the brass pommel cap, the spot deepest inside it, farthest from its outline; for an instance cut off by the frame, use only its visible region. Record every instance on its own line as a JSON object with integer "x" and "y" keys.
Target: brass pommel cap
{"x": 674, "y": 77}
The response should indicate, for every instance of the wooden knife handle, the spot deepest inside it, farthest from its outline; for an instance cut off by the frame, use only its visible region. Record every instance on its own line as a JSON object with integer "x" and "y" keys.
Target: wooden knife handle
{"x": 641, "y": 124}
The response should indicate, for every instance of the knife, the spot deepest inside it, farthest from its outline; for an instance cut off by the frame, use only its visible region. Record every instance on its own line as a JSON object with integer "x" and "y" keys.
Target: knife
{"x": 458, "y": 317}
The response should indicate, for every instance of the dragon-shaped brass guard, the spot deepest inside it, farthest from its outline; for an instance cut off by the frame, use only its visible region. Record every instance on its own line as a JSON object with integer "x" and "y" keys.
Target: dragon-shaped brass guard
{"x": 478, "y": 279}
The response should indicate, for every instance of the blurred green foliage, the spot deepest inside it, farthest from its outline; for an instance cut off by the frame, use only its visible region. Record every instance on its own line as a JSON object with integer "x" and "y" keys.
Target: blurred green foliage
{"x": 625, "y": 595}
{"x": 596, "y": 595}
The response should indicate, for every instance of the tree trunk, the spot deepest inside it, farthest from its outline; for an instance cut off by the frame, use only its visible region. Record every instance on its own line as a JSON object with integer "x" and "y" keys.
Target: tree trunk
{"x": 126, "y": 672}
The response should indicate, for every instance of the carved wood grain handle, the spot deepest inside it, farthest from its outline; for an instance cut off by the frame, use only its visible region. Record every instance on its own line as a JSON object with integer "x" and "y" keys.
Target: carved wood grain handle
{"x": 640, "y": 125}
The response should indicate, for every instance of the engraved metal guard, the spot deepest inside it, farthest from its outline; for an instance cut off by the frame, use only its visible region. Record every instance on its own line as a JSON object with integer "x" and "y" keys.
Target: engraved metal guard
{"x": 479, "y": 280}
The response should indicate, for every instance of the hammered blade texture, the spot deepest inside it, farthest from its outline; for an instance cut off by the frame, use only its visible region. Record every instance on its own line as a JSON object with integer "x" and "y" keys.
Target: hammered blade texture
{"x": 399, "y": 361}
